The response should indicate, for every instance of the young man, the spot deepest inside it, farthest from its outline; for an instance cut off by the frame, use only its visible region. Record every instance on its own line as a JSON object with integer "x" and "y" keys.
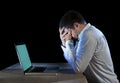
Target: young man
{"x": 86, "y": 49}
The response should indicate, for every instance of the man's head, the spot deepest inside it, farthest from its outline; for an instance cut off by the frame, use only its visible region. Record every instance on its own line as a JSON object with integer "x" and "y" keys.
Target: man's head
{"x": 72, "y": 21}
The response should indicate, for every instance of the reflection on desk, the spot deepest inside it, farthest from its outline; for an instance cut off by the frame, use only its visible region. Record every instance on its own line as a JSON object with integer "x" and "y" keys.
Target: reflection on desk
{"x": 14, "y": 74}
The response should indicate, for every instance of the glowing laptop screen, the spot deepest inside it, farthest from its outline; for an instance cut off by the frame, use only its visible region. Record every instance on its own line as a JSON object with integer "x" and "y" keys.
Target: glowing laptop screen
{"x": 23, "y": 56}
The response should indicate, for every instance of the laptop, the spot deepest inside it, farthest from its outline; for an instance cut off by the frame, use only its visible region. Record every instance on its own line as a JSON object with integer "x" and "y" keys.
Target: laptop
{"x": 30, "y": 69}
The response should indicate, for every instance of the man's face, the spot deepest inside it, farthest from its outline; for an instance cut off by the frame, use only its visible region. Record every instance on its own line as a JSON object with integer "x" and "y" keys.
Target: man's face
{"x": 74, "y": 33}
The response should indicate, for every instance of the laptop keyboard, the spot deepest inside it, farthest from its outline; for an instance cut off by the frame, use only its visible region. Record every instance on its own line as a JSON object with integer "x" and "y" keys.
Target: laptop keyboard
{"x": 38, "y": 69}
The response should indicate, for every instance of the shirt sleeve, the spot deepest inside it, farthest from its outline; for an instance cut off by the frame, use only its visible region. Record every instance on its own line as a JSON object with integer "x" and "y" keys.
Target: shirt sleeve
{"x": 69, "y": 51}
{"x": 79, "y": 58}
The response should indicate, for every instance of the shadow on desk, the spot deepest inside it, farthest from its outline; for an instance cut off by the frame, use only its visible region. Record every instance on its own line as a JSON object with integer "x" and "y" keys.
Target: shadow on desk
{"x": 14, "y": 74}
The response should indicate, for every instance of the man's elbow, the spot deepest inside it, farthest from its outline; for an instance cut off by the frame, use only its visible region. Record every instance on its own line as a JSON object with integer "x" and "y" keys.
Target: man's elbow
{"x": 78, "y": 70}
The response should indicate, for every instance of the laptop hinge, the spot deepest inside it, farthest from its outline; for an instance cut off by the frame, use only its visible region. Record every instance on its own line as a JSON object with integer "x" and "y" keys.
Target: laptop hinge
{"x": 29, "y": 69}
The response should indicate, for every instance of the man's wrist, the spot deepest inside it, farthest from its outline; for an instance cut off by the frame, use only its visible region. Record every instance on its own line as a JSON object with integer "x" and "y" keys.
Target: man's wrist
{"x": 64, "y": 46}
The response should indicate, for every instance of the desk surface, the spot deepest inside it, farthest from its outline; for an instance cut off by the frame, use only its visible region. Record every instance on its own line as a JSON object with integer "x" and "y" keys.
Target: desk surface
{"x": 14, "y": 74}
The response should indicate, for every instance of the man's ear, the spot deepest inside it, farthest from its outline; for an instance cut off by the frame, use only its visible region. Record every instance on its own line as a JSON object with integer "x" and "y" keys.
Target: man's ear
{"x": 76, "y": 24}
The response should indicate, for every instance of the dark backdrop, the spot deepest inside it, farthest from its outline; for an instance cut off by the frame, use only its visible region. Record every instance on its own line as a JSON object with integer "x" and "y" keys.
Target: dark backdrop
{"x": 37, "y": 26}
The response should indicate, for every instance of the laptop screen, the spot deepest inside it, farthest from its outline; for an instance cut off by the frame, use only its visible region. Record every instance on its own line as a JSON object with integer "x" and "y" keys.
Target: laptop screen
{"x": 23, "y": 56}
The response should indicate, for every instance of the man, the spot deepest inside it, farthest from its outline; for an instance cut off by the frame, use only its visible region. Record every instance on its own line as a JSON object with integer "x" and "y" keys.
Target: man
{"x": 86, "y": 49}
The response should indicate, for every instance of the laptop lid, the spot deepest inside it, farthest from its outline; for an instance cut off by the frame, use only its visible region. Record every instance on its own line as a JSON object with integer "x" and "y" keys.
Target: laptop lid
{"x": 23, "y": 56}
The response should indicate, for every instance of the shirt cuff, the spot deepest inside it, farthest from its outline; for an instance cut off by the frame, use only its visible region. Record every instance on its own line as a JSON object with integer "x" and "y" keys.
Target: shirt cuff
{"x": 69, "y": 43}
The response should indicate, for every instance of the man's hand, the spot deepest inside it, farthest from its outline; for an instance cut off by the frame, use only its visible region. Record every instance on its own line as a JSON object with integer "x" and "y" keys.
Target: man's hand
{"x": 65, "y": 34}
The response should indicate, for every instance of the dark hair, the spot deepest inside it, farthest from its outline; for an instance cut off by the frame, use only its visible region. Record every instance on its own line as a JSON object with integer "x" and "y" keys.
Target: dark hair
{"x": 70, "y": 18}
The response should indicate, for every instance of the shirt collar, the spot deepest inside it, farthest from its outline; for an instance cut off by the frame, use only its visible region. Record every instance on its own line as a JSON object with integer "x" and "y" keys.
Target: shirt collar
{"x": 86, "y": 27}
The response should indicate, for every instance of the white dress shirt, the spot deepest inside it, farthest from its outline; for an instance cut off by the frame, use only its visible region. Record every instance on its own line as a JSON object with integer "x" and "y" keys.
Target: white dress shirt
{"x": 91, "y": 56}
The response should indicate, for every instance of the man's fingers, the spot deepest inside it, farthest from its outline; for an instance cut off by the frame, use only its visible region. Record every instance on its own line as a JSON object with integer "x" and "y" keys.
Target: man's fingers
{"x": 69, "y": 31}
{"x": 64, "y": 33}
{"x": 61, "y": 30}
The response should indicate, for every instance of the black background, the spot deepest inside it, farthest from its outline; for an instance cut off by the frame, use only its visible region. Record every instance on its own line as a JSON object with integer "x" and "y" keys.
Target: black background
{"x": 36, "y": 24}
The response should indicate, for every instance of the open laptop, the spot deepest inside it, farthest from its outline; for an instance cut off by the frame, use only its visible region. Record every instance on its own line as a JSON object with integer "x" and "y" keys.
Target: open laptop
{"x": 30, "y": 69}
